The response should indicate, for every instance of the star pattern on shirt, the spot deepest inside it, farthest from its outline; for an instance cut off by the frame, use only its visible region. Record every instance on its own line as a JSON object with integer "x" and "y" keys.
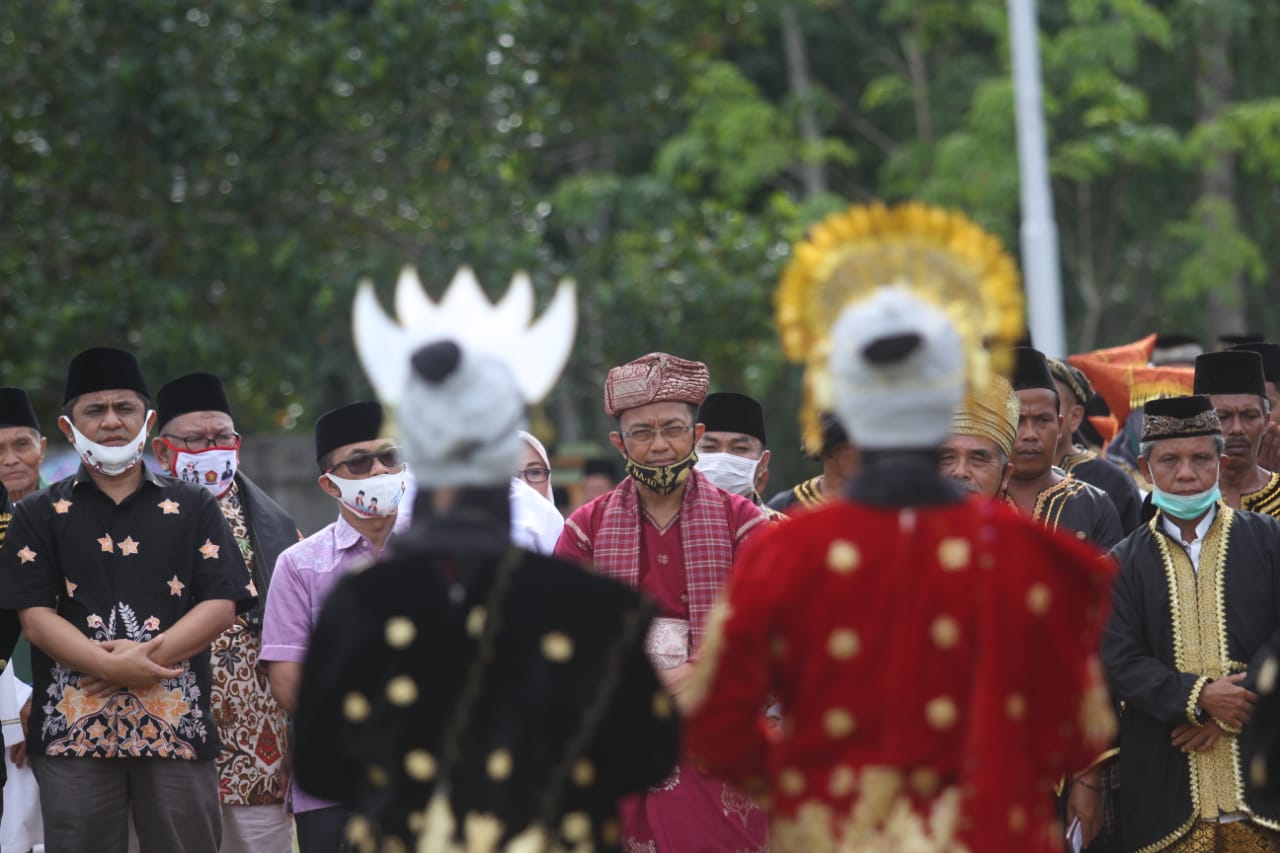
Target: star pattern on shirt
{"x": 108, "y": 547}
{"x": 62, "y": 507}
{"x": 168, "y": 506}
{"x": 97, "y": 730}
{"x": 209, "y": 550}
{"x": 26, "y": 555}
{"x": 176, "y": 586}
{"x": 128, "y": 547}
{"x": 71, "y": 589}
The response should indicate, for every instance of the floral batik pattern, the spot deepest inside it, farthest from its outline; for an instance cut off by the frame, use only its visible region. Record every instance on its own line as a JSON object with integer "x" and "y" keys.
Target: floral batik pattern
{"x": 163, "y": 720}
{"x": 251, "y": 724}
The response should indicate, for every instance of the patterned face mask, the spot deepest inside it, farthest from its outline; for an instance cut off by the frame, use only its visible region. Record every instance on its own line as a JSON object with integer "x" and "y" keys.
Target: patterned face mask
{"x": 663, "y": 479}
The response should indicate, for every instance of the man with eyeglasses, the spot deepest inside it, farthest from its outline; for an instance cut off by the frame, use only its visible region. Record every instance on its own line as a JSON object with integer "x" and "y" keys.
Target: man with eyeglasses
{"x": 198, "y": 442}
{"x": 668, "y": 531}
{"x": 362, "y": 471}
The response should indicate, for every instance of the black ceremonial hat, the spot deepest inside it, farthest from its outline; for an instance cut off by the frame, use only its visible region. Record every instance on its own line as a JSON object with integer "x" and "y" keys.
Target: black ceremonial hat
{"x": 599, "y": 465}
{"x": 1230, "y": 341}
{"x": 1229, "y": 372}
{"x": 1179, "y": 417}
{"x": 1073, "y": 377}
{"x": 1270, "y": 358}
{"x": 726, "y": 411}
{"x": 195, "y": 392}
{"x": 347, "y": 425}
{"x": 103, "y": 369}
{"x": 1031, "y": 370}
{"x": 16, "y": 409}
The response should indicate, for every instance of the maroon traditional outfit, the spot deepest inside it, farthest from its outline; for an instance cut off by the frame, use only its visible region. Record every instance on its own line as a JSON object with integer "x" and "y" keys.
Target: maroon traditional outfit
{"x": 682, "y": 567}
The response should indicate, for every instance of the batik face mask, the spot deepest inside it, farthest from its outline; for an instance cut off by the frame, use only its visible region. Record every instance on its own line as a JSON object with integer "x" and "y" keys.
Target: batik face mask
{"x": 107, "y": 459}
{"x": 663, "y": 479}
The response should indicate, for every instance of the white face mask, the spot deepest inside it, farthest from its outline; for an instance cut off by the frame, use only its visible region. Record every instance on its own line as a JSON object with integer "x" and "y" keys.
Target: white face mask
{"x": 372, "y": 497}
{"x": 107, "y": 459}
{"x": 736, "y": 474}
{"x": 214, "y": 468}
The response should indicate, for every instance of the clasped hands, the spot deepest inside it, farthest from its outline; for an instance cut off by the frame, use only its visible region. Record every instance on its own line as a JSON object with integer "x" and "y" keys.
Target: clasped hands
{"x": 1226, "y": 703}
{"x": 128, "y": 665}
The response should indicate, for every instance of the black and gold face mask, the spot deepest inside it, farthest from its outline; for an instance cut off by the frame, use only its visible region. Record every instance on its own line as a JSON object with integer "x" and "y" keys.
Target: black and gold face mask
{"x": 663, "y": 479}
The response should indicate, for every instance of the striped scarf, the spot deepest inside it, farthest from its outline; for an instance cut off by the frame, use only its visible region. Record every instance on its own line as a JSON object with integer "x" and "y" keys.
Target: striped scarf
{"x": 705, "y": 536}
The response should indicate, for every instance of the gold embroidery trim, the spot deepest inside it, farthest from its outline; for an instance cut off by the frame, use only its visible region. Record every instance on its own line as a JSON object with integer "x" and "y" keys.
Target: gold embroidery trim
{"x": 1052, "y": 501}
{"x": 1200, "y": 646}
{"x": 1193, "y": 697}
{"x": 1265, "y": 500}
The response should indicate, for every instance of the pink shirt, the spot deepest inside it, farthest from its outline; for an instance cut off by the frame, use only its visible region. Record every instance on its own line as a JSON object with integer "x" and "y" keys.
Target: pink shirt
{"x": 303, "y": 577}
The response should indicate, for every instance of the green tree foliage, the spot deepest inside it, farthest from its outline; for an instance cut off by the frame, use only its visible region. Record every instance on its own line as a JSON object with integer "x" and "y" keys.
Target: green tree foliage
{"x": 205, "y": 183}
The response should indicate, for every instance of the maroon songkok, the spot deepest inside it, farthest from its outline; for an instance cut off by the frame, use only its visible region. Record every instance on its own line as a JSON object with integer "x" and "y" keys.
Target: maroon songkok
{"x": 655, "y": 378}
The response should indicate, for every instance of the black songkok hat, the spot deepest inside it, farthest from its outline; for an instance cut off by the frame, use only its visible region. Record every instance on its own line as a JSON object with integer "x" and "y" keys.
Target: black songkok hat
{"x": 347, "y": 425}
{"x": 103, "y": 369}
{"x": 1270, "y": 358}
{"x": 1073, "y": 377}
{"x": 726, "y": 411}
{"x": 1179, "y": 417}
{"x": 1229, "y": 372}
{"x": 833, "y": 433}
{"x": 16, "y": 409}
{"x": 1031, "y": 370}
{"x": 1232, "y": 341}
{"x": 195, "y": 392}
{"x": 600, "y": 465}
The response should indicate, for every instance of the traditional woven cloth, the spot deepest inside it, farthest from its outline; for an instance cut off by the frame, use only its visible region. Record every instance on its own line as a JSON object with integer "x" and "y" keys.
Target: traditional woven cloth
{"x": 1238, "y": 837}
{"x": 707, "y": 540}
{"x": 655, "y": 378}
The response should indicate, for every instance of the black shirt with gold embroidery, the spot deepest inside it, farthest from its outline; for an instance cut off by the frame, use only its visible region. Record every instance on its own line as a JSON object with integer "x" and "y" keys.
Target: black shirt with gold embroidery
{"x": 121, "y": 571}
{"x": 1088, "y": 466}
{"x": 1265, "y": 500}
{"x": 1174, "y": 627}
{"x": 807, "y": 495}
{"x": 1073, "y": 506}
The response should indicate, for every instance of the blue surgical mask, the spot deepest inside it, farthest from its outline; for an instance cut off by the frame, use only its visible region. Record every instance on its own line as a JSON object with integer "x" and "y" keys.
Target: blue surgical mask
{"x": 1185, "y": 507}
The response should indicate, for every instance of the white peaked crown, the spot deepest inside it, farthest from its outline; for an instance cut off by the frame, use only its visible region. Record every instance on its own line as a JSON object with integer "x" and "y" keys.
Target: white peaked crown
{"x": 536, "y": 352}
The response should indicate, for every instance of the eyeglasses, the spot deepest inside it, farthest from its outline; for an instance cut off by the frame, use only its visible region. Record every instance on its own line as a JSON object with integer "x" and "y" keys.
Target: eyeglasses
{"x": 203, "y": 442}
{"x": 362, "y": 463}
{"x": 534, "y": 474}
{"x": 645, "y": 435}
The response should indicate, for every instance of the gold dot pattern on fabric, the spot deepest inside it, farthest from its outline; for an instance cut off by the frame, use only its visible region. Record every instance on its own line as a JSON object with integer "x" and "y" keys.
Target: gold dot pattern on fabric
{"x": 1038, "y": 598}
{"x": 945, "y": 632}
{"x": 941, "y": 713}
{"x": 420, "y": 765}
{"x": 778, "y": 648}
{"x": 953, "y": 554}
{"x": 393, "y": 844}
{"x": 355, "y": 707}
{"x": 359, "y": 831}
{"x": 402, "y": 691}
{"x": 661, "y": 705}
{"x": 924, "y": 781}
{"x": 400, "y": 632}
{"x": 843, "y": 644}
{"x": 417, "y": 820}
{"x": 843, "y": 557}
{"x": 838, "y": 723}
{"x": 475, "y": 621}
{"x": 791, "y": 781}
{"x": 1015, "y": 706}
{"x": 557, "y": 647}
{"x": 377, "y": 776}
{"x": 499, "y": 765}
{"x": 610, "y": 832}
{"x": 1017, "y": 818}
{"x": 576, "y": 827}
{"x": 840, "y": 783}
{"x": 1267, "y": 675}
{"x": 584, "y": 773}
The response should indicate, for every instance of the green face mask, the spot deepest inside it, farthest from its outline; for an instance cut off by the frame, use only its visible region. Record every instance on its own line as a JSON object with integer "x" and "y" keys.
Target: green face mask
{"x": 1185, "y": 507}
{"x": 663, "y": 479}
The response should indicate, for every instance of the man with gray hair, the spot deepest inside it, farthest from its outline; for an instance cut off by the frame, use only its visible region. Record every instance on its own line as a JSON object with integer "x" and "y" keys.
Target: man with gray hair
{"x": 1193, "y": 610}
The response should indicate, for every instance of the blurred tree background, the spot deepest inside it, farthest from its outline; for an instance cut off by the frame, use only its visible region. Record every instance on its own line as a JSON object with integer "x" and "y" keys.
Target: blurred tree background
{"x": 205, "y": 183}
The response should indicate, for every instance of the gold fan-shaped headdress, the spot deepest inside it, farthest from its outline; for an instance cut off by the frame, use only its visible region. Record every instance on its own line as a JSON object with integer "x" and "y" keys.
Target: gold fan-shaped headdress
{"x": 940, "y": 256}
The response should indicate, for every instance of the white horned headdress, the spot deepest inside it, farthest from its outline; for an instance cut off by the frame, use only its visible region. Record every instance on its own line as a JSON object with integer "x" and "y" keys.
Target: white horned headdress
{"x": 535, "y": 351}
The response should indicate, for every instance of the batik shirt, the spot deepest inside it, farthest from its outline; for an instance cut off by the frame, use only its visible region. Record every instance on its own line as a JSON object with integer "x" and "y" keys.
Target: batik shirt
{"x": 126, "y": 571}
{"x": 250, "y": 722}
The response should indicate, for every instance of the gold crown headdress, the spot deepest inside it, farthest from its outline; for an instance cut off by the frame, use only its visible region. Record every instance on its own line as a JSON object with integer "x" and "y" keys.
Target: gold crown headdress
{"x": 940, "y": 256}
